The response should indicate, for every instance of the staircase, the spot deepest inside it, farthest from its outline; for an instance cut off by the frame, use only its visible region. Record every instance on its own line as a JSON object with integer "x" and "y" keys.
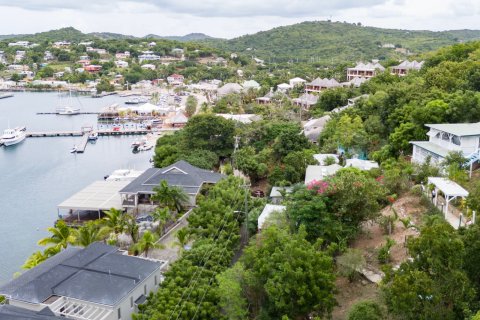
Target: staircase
{"x": 472, "y": 158}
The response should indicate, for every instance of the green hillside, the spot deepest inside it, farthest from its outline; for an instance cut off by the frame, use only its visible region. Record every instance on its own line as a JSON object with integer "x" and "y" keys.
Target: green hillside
{"x": 185, "y": 38}
{"x": 327, "y": 42}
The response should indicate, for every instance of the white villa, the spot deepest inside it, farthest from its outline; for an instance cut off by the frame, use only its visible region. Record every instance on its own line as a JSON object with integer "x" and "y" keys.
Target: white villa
{"x": 447, "y": 137}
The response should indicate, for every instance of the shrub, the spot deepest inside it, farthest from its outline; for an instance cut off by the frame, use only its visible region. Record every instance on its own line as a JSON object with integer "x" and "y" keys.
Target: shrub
{"x": 384, "y": 252}
{"x": 350, "y": 263}
{"x": 366, "y": 310}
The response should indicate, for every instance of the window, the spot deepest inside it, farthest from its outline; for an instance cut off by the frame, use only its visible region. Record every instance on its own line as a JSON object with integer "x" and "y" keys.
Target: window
{"x": 456, "y": 140}
{"x": 156, "y": 282}
{"x": 119, "y": 313}
{"x": 145, "y": 289}
{"x": 131, "y": 302}
{"x": 445, "y": 137}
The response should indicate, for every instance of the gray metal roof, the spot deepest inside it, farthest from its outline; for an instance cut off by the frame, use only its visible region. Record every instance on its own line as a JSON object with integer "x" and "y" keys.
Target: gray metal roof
{"x": 8, "y": 312}
{"x": 434, "y": 148}
{"x": 97, "y": 274}
{"x": 458, "y": 129}
{"x": 181, "y": 174}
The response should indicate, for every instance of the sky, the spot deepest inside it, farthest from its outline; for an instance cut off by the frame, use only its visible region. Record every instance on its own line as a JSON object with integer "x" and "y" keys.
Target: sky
{"x": 230, "y": 18}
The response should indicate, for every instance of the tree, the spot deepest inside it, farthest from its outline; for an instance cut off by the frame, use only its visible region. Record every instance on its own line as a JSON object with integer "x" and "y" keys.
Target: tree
{"x": 90, "y": 233}
{"x": 232, "y": 301}
{"x": 191, "y": 105}
{"x": 432, "y": 285}
{"x": 286, "y": 275}
{"x": 147, "y": 242}
{"x": 366, "y": 310}
{"x": 290, "y": 139}
{"x": 162, "y": 216}
{"x": 209, "y": 132}
{"x": 350, "y": 133}
{"x": 104, "y": 86}
{"x": 183, "y": 237}
{"x": 172, "y": 197}
{"x": 331, "y": 99}
{"x": 62, "y": 236}
{"x": 247, "y": 161}
{"x": 114, "y": 220}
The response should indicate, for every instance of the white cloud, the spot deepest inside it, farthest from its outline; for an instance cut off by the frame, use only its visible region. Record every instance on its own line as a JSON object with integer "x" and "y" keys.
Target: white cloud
{"x": 230, "y": 18}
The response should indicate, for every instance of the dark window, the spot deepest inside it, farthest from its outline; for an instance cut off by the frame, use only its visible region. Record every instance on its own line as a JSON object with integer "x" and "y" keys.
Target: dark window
{"x": 145, "y": 289}
{"x": 131, "y": 302}
{"x": 445, "y": 137}
{"x": 119, "y": 313}
{"x": 156, "y": 282}
{"x": 456, "y": 140}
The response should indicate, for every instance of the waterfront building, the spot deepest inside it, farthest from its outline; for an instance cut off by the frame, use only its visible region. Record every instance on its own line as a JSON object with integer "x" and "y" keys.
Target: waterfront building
{"x": 180, "y": 174}
{"x": 98, "y": 282}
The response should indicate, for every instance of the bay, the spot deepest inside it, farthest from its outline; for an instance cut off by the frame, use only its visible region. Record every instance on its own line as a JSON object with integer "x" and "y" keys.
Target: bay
{"x": 39, "y": 173}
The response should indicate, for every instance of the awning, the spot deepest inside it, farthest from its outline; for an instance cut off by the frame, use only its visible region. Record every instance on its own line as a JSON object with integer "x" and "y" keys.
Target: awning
{"x": 100, "y": 195}
{"x": 448, "y": 187}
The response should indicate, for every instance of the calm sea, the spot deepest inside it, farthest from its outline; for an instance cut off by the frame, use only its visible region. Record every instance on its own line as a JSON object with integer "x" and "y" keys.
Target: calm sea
{"x": 40, "y": 173}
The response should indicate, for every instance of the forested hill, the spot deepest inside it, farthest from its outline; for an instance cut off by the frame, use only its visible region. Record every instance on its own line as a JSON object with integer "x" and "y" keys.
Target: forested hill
{"x": 336, "y": 42}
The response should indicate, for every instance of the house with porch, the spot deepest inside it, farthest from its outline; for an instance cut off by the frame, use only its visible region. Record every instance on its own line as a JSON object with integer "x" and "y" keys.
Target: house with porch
{"x": 366, "y": 70}
{"x": 181, "y": 174}
{"x": 306, "y": 100}
{"x": 448, "y": 137}
{"x": 318, "y": 85}
{"x": 403, "y": 68}
{"x": 98, "y": 282}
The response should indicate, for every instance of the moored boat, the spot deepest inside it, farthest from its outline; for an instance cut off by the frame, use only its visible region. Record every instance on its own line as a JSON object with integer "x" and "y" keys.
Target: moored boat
{"x": 11, "y": 137}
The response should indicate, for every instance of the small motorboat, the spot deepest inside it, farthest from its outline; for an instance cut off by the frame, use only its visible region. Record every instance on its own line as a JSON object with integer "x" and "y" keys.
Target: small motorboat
{"x": 74, "y": 149}
{"x": 93, "y": 136}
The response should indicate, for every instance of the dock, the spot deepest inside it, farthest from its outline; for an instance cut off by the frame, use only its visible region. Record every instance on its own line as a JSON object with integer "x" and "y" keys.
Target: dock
{"x": 78, "y": 133}
{"x": 83, "y": 144}
{"x": 58, "y": 113}
{"x": 103, "y": 94}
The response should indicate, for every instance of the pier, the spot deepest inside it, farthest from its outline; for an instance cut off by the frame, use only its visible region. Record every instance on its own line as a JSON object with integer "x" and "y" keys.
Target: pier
{"x": 73, "y": 114}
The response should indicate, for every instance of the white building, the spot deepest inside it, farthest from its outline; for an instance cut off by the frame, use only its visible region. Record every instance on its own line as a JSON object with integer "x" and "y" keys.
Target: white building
{"x": 122, "y": 55}
{"x": 250, "y": 84}
{"x": 24, "y": 44}
{"x": 149, "y": 66}
{"x": 447, "y": 137}
{"x": 267, "y": 213}
{"x": 148, "y": 57}
{"x": 94, "y": 283}
{"x": 319, "y": 173}
{"x": 297, "y": 82}
{"x": 121, "y": 64}
{"x": 365, "y": 165}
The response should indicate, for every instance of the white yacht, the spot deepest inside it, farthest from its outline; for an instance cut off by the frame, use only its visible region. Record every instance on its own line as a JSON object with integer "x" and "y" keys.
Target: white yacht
{"x": 66, "y": 111}
{"x": 13, "y": 136}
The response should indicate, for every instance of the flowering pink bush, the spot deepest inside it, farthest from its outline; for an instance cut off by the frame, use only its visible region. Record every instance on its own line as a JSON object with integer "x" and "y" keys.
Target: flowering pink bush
{"x": 320, "y": 186}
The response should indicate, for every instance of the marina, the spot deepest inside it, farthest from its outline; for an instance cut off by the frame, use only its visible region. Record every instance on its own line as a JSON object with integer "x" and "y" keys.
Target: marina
{"x": 39, "y": 172}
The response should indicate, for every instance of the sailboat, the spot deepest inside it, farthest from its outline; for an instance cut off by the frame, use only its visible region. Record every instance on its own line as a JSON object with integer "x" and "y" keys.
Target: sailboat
{"x": 68, "y": 110}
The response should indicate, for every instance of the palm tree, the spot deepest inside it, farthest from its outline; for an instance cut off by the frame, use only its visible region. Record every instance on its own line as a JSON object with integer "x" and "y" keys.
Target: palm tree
{"x": 131, "y": 227}
{"x": 171, "y": 197}
{"x": 115, "y": 220}
{"x": 34, "y": 260}
{"x": 162, "y": 215}
{"x": 89, "y": 233}
{"x": 62, "y": 236}
{"x": 183, "y": 237}
{"x": 148, "y": 242}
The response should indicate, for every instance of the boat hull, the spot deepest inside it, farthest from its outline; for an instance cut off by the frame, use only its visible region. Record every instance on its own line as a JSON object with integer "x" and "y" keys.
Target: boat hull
{"x": 12, "y": 142}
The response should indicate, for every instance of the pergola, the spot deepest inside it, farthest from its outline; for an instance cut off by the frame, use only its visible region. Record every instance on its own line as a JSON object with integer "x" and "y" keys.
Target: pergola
{"x": 99, "y": 196}
{"x": 449, "y": 188}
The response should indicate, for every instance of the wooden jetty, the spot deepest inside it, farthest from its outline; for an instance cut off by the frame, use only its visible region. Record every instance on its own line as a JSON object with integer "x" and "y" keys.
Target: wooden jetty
{"x": 83, "y": 144}
{"x": 42, "y": 134}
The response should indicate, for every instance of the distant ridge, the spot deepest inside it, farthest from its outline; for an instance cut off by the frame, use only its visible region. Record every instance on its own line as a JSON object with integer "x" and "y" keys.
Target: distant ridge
{"x": 185, "y": 38}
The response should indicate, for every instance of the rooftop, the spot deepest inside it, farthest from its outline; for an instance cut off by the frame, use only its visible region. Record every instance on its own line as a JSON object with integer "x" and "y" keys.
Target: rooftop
{"x": 319, "y": 173}
{"x": 8, "y": 312}
{"x": 181, "y": 174}
{"x": 458, "y": 129}
{"x": 433, "y": 148}
{"x": 100, "y": 195}
{"x": 267, "y": 212}
{"x": 97, "y": 274}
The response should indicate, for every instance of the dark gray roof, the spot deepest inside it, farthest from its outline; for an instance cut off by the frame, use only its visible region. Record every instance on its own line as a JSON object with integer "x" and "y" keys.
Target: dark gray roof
{"x": 8, "y": 312}
{"x": 97, "y": 274}
{"x": 181, "y": 174}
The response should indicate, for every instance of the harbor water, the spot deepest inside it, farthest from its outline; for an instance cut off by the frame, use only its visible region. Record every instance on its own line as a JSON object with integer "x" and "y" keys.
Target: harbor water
{"x": 39, "y": 173}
